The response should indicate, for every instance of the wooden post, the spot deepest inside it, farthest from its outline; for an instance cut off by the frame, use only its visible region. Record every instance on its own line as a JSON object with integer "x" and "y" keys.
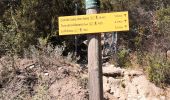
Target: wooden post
{"x": 94, "y": 60}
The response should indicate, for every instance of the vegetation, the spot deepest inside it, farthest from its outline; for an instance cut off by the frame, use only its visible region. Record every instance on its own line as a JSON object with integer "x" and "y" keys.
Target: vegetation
{"x": 123, "y": 58}
{"x": 29, "y": 25}
{"x": 158, "y": 70}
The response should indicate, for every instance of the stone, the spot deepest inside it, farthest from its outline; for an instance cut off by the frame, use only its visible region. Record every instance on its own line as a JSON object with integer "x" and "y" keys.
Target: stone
{"x": 132, "y": 85}
{"x": 31, "y": 66}
{"x": 135, "y": 73}
{"x": 142, "y": 84}
{"x": 1, "y": 68}
{"x": 152, "y": 98}
{"x": 106, "y": 87}
{"x": 131, "y": 91}
{"x": 115, "y": 91}
{"x": 112, "y": 71}
{"x": 109, "y": 96}
{"x": 168, "y": 55}
{"x": 113, "y": 81}
{"x": 162, "y": 98}
{"x": 85, "y": 42}
{"x": 46, "y": 74}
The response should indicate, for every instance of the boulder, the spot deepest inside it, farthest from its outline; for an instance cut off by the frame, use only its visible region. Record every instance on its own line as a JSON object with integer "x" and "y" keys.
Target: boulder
{"x": 0, "y": 68}
{"x": 106, "y": 87}
{"x": 133, "y": 73}
{"x": 168, "y": 55}
{"x": 112, "y": 71}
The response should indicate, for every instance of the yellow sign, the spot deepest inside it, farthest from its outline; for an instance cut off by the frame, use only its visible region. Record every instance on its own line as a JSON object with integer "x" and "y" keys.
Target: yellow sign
{"x": 94, "y": 23}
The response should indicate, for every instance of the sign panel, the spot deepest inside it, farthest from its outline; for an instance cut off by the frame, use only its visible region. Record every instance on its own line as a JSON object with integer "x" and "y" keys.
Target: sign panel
{"x": 94, "y": 23}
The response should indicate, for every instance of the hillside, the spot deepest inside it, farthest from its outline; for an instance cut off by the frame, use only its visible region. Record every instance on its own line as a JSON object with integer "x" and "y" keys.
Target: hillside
{"x": 128, "y": 39}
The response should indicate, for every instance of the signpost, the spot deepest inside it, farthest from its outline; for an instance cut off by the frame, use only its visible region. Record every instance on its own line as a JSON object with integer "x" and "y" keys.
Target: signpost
{"x": 90, "y": 24}
{"x": 94, "y": 56}
{"x": 94, "y": 23}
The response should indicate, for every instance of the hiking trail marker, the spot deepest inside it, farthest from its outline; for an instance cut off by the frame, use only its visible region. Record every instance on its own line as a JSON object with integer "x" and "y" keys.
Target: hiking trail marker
{"x": 89, "y": 24}
{"x": 94, "y": 23}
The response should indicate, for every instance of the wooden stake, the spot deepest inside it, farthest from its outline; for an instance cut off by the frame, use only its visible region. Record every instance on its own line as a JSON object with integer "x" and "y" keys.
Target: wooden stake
{"x": 95, "y": 64}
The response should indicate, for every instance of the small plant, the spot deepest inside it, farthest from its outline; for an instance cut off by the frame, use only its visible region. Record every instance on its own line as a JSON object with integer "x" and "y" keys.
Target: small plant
{"x": 158, "y": 71}
{"x": 123, "y": 58}
{"x": 41, "y": 94}
{"x": 83, "y": 82}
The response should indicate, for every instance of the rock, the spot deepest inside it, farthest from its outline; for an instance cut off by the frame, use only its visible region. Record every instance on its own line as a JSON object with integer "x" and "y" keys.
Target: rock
{"x": 114, "y": 82}
{"x": 116, "y": 89}
{"x": 168, "y": 55}
{"x": 145, "y": 88}
{"x": 46, "y": 74}
{"x": 25, "y": 63}
{"x": 152, "y": 98}
{"x": 155, "y": 91}
{"x": 0, "y": 67}
{"x": 132, "y": 92}
{"x": 112, "y": 71}
{"x": 60, "y": 68}
{"x": 109, "y": 96}
{"x": 106, "y": 64}
{"x": 85, "y": 42}
{"x": 142, "y": 84}
{"x": 135, "y": 73}
{"x": 106, "y": 87}
{"x": 162, "y": 98}
{"x": 31, "y": 66}
{"x": 132, "y": 85}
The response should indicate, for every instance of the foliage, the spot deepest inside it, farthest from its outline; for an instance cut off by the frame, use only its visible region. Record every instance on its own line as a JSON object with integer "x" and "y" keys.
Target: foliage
{"x": 159, "y": 67}
{"x": 163, "y": 36}
{"x": 123, "y": 58}
{"x": 24, "y": 23}
{"x": 33, "y": 25}
{"x": 158, "y": 70}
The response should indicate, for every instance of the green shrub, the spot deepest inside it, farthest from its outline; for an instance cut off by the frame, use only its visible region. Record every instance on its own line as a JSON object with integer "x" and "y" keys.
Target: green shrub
{"x": 158, "y": 71}
{"x": 159, "y": 68}
{"x": 123, "y": 58}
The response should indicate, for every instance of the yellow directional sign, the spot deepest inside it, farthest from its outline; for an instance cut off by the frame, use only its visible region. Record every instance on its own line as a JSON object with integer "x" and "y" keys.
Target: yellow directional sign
{"x": 94, "y": 23}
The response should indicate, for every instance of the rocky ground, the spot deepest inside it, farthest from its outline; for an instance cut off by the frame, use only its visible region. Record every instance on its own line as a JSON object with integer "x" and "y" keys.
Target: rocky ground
{"x": 51, "y": 79}
{"x": 128, "y": 84}
{"x": 42, "y": 79}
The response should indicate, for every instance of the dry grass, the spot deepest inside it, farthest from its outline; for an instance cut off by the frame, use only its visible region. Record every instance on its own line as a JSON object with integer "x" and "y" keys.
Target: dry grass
{"x": 30, "y": 78}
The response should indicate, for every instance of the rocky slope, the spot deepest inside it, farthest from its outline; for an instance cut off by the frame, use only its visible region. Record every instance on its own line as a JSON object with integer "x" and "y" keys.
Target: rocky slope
{"x": 128, "y": 84}
{"x": 51, "y": 79}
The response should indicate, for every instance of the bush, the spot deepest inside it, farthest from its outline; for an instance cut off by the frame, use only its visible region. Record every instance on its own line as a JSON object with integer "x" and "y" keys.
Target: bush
{"x": 24, "y": 23}
{"x": 123, "y": 58}
{"x": 158, "y": 71}
{"x": 159, "y": 67}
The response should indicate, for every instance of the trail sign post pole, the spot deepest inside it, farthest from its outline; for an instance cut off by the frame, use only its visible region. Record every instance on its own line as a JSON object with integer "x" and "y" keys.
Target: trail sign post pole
{"x": 90, "y": 24}
{"x": 94, "y": 57}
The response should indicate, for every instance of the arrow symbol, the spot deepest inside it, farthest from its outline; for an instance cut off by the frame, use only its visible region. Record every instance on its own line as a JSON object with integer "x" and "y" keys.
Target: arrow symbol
{"x": 125, "y": 15}
{"x": 96, "y": 17}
